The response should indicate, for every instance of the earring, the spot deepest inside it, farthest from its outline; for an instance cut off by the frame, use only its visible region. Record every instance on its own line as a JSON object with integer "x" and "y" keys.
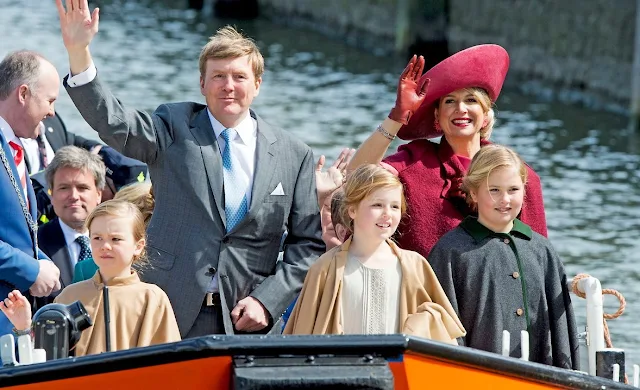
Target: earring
{"x": 436, "y": 124}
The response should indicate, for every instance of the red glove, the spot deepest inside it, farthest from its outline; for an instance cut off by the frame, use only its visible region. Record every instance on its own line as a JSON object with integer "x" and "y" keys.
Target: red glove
{"x": 410, "y": 96}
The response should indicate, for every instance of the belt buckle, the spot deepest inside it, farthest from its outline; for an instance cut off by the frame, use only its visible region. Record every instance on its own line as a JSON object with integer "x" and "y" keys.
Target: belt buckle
{"x": 212, "y": 299}
{"x": 209, "y": 299}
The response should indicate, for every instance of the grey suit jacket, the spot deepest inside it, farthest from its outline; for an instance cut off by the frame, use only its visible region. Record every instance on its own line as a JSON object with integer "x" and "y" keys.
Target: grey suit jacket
{"x": 187, "y": 239}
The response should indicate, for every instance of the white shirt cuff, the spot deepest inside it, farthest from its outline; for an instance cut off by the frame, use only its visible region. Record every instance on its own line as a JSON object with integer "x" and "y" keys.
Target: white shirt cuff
{"x": 82, "y": 78}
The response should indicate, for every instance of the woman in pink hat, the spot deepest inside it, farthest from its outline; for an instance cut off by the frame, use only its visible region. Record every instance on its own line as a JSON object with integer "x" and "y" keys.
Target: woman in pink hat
{"x": 453, "y": 99}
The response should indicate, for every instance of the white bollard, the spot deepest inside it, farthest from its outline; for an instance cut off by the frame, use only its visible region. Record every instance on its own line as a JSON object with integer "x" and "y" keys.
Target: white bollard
{"x": 506, "y": 343}
{"x": 595, "y": 314}
{"x": 25, "y": 349}
{"x": 8, "y": 350}
{"x": 616, "y": 372}
{"x": 39, "y": 355}
{"x": 636, "y": 375}
{"x": 28, "y": 355}
{"x": 524, "y": 345}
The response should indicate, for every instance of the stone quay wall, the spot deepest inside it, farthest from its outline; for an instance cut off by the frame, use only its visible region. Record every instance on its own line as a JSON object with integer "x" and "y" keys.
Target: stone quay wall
{"x": 583, "y": 49}
{"x": 576, "y": 50}
{"x": 371, "y": 25}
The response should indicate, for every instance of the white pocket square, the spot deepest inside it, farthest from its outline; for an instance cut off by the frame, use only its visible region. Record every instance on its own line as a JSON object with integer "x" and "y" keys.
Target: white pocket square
{"x": 278, "y": 190}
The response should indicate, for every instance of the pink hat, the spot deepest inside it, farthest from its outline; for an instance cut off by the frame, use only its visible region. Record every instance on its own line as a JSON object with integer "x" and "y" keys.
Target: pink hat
{"x": 483, "y": 66}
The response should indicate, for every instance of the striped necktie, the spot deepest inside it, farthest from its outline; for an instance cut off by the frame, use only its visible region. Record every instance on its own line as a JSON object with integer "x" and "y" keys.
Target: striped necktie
{"x": 235, "y": 198}
{"x": 18, "y": 159}
{"x": 42, "y": 151}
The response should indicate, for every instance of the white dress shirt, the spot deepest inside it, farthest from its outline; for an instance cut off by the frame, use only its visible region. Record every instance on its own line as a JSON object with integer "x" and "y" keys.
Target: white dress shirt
{"x": 83, "y": 78}
{"x": 70, "y": 236}
{"x": 9, "y": 135}
{"x": 33, "y": 151}
{"x": 244, "y": 147}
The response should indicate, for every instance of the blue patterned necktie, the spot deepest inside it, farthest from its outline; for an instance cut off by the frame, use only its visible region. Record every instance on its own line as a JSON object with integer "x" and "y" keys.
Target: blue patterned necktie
{"x": 235, "y": 198}
{"x": 85, "y": 250}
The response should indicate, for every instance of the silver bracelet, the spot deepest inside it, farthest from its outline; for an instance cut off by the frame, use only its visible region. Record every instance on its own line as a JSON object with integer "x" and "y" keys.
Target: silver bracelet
{"x": 386, "y": 134}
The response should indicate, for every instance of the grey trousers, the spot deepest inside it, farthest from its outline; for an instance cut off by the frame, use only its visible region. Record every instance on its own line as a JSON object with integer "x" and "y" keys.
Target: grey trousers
{"x": 209, "y": 321}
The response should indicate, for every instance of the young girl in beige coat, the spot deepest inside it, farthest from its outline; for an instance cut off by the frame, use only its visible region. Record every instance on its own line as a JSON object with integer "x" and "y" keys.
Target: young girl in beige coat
{"x": 141, "y": 313}
{"x": 368, "y": 285}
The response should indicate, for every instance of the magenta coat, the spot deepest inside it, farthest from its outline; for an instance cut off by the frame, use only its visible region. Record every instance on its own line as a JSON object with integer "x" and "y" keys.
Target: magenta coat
{"x": 432, "y": 176}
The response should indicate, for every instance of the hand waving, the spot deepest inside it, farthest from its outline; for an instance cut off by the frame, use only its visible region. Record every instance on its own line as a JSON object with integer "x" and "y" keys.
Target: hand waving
{"x": 17, "y": 309}
{"x": 78, "y": 25}
{"x": 410, "y": 95}
{"x": 329, "y": 180}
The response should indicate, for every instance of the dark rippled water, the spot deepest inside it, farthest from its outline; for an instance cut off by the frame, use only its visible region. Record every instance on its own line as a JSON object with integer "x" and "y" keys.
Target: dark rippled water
{"x": 332, "y": 95}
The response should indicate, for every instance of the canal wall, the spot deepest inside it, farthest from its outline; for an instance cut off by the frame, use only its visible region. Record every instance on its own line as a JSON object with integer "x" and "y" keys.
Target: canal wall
{"x": 573, "y": 50}
{"x": 372, "y": 25}
{"x": 577, "y": 50}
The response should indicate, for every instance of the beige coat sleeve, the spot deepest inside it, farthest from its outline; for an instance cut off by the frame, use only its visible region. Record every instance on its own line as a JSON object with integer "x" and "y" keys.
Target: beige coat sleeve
{"x": 432, "y": 322}
{"x": 429, "y": 312}
{"x": 159, "y": 325}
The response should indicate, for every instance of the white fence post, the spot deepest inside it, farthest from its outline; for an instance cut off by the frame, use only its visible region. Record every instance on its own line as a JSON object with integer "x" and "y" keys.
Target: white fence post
{"x": 595, "y": 330}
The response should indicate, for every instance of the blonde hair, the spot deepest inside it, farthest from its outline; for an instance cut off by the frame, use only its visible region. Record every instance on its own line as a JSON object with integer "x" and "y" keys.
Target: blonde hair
{"x": 487, "y": 107}
{"x": 141, "y": 196}
{"x": 122, "y": 209}
{"x": 361, "y": 183}
{"x": 489, "y": 158}
{"x": 229, "y": 43}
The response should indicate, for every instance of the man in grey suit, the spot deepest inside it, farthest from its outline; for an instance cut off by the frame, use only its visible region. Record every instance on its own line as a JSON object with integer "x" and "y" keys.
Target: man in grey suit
{"x": 226, "y": 183}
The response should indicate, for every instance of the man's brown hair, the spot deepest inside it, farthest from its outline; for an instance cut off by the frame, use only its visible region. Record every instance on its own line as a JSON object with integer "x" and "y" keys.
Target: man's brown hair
{"x": 229, "y": 43}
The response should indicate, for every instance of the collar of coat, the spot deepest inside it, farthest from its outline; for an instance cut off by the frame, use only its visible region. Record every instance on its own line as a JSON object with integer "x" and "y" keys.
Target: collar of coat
{"x": 117, "y": 281}
{"x": 479, "y": 232}
{"x": 453, "y": 169}
{"x": 344, "y": 247}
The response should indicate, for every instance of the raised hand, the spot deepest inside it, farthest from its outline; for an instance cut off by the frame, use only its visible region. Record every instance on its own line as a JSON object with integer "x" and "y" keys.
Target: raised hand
{"x": 17, "y": 309}
{"x": 78, "y": 25}
{"x": 329, "y": 180}
{"x": 410, "y": 94}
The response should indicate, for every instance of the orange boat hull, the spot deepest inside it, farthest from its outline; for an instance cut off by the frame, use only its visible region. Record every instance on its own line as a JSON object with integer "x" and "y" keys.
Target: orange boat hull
{"x": 210, "y": 363}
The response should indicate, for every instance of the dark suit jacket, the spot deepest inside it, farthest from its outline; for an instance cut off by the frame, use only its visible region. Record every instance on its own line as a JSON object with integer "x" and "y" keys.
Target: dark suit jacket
{"x": 52, "y": 243}
{"x": 58, "y": 135}
{"x": 18, "y": 256}
{"x": 187, "y": 238}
